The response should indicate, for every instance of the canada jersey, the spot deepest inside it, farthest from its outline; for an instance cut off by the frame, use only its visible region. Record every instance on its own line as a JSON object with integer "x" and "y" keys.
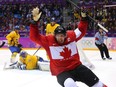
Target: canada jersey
{"x": 63, "y": 57}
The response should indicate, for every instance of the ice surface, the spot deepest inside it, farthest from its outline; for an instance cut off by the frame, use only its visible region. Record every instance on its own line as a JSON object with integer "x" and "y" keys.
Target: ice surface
{"x": 104, "y": 69}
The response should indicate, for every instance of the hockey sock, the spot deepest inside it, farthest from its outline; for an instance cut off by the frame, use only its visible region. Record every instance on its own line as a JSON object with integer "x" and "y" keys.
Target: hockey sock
{"x": 69, "y": 82}
{"x": 13, "y": 57}
{"x": 99, "y": 84}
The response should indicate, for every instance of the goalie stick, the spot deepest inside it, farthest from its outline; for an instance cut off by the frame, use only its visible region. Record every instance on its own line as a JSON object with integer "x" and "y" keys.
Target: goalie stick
{"x": 102, "y": 27}
{"x": 11, "y": 66}
{"x": 109, "y": 6}
{"x": 37, "y": 50}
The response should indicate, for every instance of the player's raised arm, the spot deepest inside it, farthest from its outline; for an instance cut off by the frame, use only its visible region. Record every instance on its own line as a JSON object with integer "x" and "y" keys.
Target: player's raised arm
{"x": 83, "y": 25}
{"x": 33, "y": 26}
{"x": 35, "y": 35}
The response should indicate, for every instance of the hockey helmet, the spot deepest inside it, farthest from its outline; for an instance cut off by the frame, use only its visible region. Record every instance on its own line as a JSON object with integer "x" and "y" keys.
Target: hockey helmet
{"x": 16, "y": 27}
{"x": 53, "y": 19}
{"x": 23, "y": 54}
{"x": 60, "y": 30}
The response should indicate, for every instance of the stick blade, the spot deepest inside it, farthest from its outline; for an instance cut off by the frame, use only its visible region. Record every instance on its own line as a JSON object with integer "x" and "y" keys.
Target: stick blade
{"x": 3, "y": 43}
{"x": 8, "y": 66}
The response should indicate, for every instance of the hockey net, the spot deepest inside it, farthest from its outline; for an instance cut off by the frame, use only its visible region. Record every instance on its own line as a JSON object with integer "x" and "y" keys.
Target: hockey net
{"x": 84, "y": 59}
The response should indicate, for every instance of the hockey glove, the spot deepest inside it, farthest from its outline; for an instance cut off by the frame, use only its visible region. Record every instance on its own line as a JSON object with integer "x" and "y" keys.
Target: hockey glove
{"x": 10, "y": 43}
{"x": 22, "y": 67}
{"x": 36, "y": 14}
{"x": 40, "y": 59}
{"x": 20, "y": 45}
{"x": 84, "y": 15}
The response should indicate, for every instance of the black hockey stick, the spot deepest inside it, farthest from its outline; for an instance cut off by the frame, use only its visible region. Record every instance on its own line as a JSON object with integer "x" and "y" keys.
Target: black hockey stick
{"x": 13, "y": 63}
{"x": 102, "y": 27}
{"x": 37, "y": 50}
{"x": 2, "y": 44}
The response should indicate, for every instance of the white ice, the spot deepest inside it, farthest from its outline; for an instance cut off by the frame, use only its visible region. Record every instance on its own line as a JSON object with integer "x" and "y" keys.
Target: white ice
{"x": 104, "y": 69}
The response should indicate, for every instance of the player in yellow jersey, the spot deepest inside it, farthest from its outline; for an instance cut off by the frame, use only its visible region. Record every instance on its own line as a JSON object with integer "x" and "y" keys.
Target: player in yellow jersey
{"x": 27, "y": 61}
{"x": 13, "y": 42}
{"x": 51, "y": 26}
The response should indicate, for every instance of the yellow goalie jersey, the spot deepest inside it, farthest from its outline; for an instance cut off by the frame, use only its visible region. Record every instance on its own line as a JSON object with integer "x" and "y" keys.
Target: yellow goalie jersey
{"x": 50, "y": 29}
{"x": 30, "y": 61}
{"x": 13, "y": 38}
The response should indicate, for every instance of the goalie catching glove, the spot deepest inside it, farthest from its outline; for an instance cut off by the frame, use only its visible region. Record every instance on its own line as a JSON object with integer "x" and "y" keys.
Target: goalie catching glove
{"x": 22, "y": 67}
{"x": 36, "y": 14}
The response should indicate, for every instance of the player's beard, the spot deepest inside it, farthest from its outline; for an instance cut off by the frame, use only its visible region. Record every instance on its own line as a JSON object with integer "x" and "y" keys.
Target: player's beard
{"x": 60, "y": 41}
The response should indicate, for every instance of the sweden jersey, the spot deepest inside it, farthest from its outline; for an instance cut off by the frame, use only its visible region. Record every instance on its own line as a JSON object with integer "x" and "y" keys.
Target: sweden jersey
{"x": 30, "y": 62}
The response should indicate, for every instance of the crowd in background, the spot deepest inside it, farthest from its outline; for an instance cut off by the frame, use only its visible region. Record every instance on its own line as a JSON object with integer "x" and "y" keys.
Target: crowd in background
{"x": 20, "y": 15}
{"x": 104, "y": 15}
{"x": 12, "y": 15}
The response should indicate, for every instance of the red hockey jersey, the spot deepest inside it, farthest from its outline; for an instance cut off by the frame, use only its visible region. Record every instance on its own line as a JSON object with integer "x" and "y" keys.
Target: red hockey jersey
{"x": 62, "y": 57}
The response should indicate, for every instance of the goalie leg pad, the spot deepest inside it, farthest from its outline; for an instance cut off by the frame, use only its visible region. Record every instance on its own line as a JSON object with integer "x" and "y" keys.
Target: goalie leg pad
{"x": 44, "y": 66}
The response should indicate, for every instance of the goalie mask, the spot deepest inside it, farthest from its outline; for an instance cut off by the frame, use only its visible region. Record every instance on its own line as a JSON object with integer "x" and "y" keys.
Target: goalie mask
{"x": 53, "y": 19}
{"x": 23, "y": 54}
{"x": 16, "y": 28}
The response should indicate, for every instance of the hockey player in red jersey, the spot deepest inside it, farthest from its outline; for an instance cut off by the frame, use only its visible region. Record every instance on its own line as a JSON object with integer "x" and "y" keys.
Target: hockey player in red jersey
{"x": 61, "y": 48}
